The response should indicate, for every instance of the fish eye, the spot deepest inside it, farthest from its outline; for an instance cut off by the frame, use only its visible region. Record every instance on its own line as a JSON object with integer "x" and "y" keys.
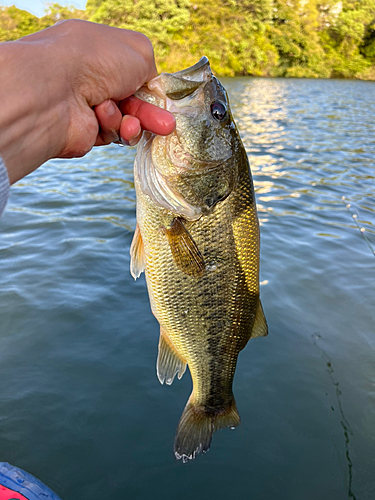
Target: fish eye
{"x": 218, "y": 110}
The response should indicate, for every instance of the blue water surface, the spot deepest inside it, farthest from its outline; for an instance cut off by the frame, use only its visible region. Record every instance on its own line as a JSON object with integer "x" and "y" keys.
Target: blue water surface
{"x": 80, "y": 404}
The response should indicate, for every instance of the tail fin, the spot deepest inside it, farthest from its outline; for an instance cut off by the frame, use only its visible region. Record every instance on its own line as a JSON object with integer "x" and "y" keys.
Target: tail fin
{"x": 196, "y": 426}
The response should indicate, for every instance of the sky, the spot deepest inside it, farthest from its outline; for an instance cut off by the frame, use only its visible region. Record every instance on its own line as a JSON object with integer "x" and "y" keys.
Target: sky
{"x": 37, "y": 7}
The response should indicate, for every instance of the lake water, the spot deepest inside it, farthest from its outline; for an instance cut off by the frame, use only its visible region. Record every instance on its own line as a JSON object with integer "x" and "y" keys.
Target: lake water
{"x": 80, "y": 405}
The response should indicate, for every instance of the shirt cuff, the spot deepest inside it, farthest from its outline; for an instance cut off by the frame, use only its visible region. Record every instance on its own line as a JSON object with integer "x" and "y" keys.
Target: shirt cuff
{"x": 4, "y": 186}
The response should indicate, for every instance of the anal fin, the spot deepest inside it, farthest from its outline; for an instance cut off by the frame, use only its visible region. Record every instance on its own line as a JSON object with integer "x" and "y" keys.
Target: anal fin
{"x": 260, "y": 328}
{"x": 137, "y": 255}
{"x": 185, "y": 252}
{"x": 169, "y": 364}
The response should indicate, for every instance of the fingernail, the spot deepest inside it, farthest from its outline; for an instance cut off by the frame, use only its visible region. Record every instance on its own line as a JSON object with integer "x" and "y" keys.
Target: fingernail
{"x": 115, "y": 136}
{"x": 122, "y": 142}
{"x": 110, "y": 108}
{"x": 134, "y": 140}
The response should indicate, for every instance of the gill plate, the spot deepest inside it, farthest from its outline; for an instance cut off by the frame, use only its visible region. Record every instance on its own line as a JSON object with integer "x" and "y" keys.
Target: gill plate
{"x": 155, "y": 185}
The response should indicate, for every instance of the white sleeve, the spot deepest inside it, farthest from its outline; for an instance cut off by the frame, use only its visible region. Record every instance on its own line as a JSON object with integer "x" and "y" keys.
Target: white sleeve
{"x": 4, "y": 186}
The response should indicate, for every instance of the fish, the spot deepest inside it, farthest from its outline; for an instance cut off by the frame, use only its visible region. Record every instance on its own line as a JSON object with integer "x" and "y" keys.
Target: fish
{"x": 197, "y": 239}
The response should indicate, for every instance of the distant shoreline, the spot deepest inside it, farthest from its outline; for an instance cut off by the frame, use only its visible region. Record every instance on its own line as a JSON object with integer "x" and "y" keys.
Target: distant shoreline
{"x": 270, "y": 39}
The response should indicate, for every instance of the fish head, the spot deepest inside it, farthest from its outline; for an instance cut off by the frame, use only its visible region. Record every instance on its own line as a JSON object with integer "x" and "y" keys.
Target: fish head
{"x": 195, "y": 165}
{"x": 200, "y": 106}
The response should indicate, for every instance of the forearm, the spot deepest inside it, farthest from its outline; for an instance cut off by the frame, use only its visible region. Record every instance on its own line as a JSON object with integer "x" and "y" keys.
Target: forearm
{"x": 30, "y": 109}
{"x": 55, "y": 86}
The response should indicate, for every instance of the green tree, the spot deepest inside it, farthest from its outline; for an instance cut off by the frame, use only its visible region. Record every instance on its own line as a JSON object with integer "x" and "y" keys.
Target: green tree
{"x": 296, "y": 38}
{"x": 260, "y": 9}
{"x": 158, "y": 19}
{"x": 56, "y": 12}
{"x": 16, "y": 23}
{"x": 294, "y": 32}
{"x": 231, "y": 35}
{"x": 347, "y": 39}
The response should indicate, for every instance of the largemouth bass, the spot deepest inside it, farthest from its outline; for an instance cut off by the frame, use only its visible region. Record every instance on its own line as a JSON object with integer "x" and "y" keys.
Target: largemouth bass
{"x": 197, "y": 239}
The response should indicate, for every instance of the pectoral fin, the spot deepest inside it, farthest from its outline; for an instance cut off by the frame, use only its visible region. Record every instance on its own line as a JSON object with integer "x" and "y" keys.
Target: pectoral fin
{"x": 185, "y": 252}
{"x": 169, "y": 363}
{"x": 137, "y": 255}
{"x": 260, "y": 328}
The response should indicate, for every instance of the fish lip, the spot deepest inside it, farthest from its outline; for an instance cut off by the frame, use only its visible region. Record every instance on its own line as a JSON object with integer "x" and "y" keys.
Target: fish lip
{"x": 202, "y": 62}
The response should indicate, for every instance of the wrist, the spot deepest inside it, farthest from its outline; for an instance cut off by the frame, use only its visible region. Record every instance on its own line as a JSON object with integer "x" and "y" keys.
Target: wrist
{"x": 32, "y": 111}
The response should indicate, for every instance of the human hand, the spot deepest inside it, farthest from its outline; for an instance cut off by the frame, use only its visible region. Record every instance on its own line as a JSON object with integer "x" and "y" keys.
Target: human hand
{"x": 57, "y": 87}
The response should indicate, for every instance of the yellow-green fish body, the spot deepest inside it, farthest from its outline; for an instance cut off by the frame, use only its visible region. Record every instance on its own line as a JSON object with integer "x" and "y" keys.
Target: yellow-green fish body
{"x": 197, "y": 238}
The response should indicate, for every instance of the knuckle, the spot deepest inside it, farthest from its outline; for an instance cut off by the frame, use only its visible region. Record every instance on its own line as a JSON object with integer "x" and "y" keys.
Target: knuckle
{"x": 71, "y": 26}
{"x": 146, "y": 47}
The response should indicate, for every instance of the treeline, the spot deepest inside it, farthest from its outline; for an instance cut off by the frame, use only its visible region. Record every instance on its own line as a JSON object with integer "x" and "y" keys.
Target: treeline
{"x": 292, "y": 38}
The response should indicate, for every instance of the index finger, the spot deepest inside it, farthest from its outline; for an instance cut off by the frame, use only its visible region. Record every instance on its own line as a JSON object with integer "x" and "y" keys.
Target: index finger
{"x": 154, "y": 119}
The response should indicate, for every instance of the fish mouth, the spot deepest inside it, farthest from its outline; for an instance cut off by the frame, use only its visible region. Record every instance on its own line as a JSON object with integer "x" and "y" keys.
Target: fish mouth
{"x": 197, "y": 68}
{"x": 176, "y": 86}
